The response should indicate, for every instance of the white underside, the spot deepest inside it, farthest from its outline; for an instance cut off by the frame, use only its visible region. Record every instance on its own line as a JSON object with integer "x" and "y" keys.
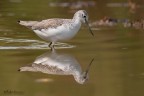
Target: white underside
{"x": 60, "y": 33}
{"x": 62, "y": 62}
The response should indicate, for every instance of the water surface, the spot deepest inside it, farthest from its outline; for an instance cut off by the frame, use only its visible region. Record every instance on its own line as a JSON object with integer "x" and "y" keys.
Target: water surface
{"x": 117, "y": 70}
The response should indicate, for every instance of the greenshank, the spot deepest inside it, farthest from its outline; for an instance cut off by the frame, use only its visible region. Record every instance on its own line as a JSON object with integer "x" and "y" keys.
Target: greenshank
{"x": 58, "y": 29}
{"x": 58, "y": 64}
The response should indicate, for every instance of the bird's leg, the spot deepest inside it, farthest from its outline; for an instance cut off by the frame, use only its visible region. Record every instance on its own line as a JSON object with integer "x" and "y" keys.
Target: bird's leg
{"x": 53, "y": 49}
{"x": 51, "y": 45}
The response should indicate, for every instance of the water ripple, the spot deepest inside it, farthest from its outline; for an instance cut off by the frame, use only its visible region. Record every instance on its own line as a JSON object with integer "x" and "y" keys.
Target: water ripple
{"x": 12, "y": 43}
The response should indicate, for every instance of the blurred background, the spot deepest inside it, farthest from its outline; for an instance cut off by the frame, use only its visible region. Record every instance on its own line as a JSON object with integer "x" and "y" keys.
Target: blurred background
{"x": 118, "y": 48}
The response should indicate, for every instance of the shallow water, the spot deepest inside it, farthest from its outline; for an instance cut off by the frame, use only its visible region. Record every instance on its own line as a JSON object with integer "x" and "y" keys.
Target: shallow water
{"x": 117, "y": 70}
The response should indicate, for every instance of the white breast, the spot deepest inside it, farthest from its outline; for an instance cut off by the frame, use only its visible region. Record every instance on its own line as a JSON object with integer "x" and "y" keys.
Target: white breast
{"x": 64, "y": 32}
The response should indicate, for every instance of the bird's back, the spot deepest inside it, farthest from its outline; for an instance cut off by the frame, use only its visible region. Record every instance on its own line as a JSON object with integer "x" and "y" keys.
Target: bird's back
{"x": 45, "y": 24}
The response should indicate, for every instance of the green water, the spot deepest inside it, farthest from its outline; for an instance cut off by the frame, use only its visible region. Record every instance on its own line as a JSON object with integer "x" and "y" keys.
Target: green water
{"x": 118, "y": 68}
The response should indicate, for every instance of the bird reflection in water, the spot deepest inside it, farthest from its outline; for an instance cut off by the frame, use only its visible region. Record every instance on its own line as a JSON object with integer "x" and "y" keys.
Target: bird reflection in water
{"x": 59, "y": 64}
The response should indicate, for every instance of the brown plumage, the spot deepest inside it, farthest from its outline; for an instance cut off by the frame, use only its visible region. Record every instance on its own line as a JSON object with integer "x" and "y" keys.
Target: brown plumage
{"x": 44, "y": 24}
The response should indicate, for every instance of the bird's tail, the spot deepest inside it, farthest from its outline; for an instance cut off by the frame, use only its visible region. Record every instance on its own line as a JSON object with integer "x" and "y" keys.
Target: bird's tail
{"x": 27, "y": 23}
{"x": 26, "y": 69}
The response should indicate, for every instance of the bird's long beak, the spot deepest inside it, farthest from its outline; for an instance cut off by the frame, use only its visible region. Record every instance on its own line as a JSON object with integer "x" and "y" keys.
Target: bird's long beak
{"x": 89, "y": 27}
{"x": 88, "y": 68}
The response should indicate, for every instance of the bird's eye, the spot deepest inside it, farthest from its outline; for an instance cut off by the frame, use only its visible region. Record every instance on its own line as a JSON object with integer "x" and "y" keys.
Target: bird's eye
{"x": 84, "y": 77}
{"x": 84, "y": 16}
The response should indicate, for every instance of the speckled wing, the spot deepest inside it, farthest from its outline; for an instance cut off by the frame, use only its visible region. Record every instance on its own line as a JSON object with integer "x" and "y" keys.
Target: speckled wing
{"x": 49, "y": 23}
{"x": 44, "y": 24}
{"x": 48, "y": 69}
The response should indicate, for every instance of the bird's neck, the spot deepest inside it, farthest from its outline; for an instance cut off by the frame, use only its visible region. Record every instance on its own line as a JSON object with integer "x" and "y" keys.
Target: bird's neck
{"x": 76, "y": 21}
{"x": 77, "y": 78}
